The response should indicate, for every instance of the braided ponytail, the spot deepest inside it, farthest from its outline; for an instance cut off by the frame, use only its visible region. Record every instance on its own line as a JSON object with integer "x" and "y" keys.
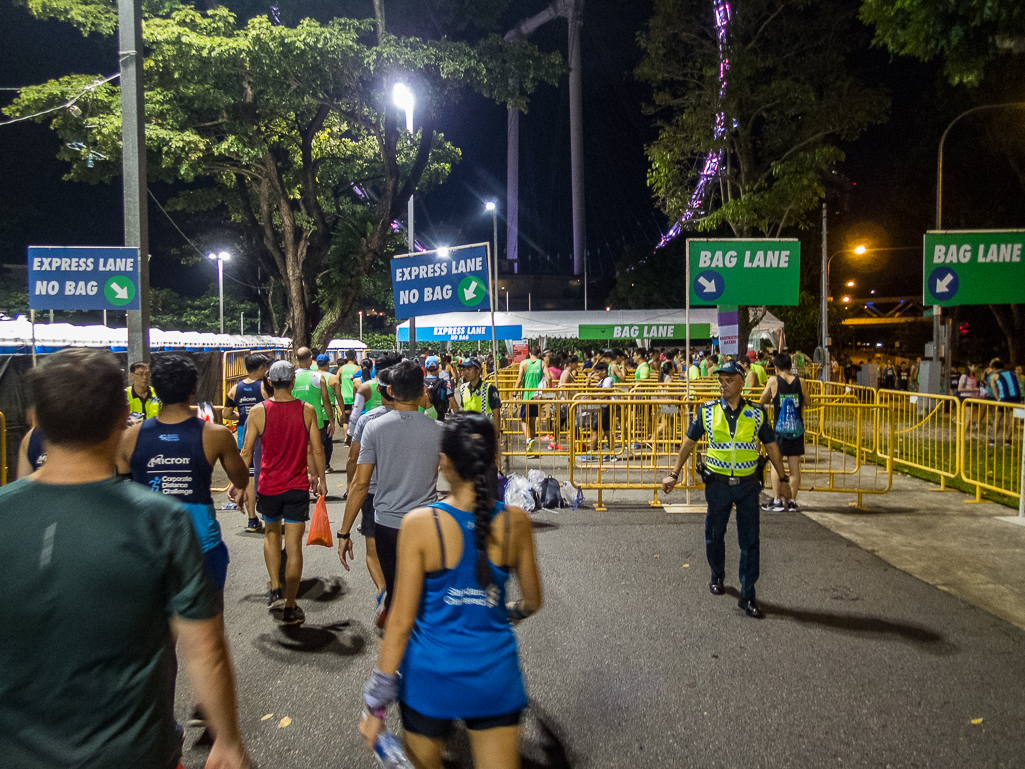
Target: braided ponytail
{"x": 484, "y": 503}
{"x": 468, "y": 441}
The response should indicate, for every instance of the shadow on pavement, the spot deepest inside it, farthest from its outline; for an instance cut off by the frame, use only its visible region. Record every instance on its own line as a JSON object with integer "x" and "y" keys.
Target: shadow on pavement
{"x": 541, "y": 526}
{"x": 318, "y": 589}
{"x": 541, "y": 747}
{"x": 322, "y": 589}
{"x": 931, "y": 641}
{"x": 293, "y": 644}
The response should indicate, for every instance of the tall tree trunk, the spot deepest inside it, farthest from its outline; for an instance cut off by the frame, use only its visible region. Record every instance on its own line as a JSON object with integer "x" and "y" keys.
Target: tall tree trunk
{"x": 1011, "y": 318}
{"x": 379, "y": 16}
{"x": 748, "y": 319}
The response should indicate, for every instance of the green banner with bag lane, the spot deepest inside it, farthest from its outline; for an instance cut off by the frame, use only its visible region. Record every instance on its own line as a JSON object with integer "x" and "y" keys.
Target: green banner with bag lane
{"x": 963, "y": 267}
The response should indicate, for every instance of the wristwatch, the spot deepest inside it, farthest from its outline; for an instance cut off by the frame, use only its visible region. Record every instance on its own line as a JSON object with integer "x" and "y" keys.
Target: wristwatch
{"x": 675, "y": 475}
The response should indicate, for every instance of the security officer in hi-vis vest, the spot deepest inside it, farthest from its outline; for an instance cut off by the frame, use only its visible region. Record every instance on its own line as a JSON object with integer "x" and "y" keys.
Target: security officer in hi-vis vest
{"x": 143, "y": 402}
{"x": 734, "y": 426}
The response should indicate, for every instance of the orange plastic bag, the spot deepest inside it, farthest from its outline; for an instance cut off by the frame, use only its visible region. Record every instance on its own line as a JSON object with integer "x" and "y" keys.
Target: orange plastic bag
{"x": 320, "y": 526}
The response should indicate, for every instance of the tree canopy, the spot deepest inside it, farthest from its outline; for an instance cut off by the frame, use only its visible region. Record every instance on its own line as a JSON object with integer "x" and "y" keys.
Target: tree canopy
{"x": 786, "y": 99}
{"x": 967, "y": 35}
{"x": 290, "y": 132}
{"x": 772, "y": 98}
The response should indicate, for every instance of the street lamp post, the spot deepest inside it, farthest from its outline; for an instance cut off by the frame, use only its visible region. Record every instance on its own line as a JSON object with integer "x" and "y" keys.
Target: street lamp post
{"x": 493, "y": 283}
{"x": 490, "y": 206}
{"x": 220, "y": 258}
{"x": 939, "y": 222}
{"x": 860, "y": 251}
{"x": 824, "y": 307}
{"x": 404, "y": 100}
{"x": 361, "y": 325}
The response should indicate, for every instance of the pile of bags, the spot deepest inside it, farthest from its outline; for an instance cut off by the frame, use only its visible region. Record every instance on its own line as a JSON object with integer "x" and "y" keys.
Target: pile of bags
{"x": 538, "y": 492}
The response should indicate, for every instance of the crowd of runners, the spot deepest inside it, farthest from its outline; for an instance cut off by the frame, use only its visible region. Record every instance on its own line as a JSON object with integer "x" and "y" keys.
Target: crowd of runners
{"x": 85, "y": 522}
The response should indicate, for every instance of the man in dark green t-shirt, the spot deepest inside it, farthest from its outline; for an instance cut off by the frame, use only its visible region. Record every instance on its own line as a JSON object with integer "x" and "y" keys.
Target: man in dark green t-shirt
{"x": 108, "y": 569}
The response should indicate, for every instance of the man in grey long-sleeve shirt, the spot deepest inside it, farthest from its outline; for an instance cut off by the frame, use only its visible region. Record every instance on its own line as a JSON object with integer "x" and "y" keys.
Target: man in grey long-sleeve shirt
{"x": 403, "y": 446}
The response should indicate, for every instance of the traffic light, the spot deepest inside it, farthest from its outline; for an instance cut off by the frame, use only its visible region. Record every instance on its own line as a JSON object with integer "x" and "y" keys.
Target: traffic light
{"x": 963, "y": 328}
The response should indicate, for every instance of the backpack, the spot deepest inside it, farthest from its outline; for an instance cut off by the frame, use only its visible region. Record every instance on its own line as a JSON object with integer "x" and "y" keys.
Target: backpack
{"x": 788, "y": 424}
{"x": 438, "y": 393}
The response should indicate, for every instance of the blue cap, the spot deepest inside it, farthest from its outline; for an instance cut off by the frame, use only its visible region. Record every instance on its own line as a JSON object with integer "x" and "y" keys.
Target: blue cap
{"x": 730, "y": 367}
{"x": 322, "y": 358}
{"x": 432, "y": 360}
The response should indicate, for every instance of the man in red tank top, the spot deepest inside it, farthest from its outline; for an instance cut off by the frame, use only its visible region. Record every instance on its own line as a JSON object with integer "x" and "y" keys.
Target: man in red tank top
{"x": 288, "y": 432}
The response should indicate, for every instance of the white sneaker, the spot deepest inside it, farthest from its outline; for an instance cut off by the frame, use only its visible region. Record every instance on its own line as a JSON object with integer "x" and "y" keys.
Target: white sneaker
{"x": 773, "y": 506}
{"x": 792, "y": 506}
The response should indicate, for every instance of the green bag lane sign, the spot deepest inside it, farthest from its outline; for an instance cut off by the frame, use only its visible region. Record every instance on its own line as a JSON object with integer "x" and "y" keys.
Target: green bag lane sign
{"x": 644, "y": 331}
{"x": 973, "y": 267}
{"x": 759, "y": 271}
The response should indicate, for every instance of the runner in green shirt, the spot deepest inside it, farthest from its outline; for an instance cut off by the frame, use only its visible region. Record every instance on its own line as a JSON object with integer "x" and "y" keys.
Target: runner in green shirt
{"x": 311, "y": 387}
{"x": 640, "y": 358}
{"x": 529, "y": 378}
{"x": 345, "y": 374}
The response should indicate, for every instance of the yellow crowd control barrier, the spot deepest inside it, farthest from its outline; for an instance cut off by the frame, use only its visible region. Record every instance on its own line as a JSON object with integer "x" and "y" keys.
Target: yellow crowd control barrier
{"x": 925, "y": 434}
{"x": 991, "y": 446}
{"x": 609, "y": 440}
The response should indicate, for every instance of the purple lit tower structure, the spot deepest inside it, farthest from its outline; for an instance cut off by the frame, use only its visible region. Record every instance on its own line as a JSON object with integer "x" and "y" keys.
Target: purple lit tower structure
{"x": 710, "y": 169}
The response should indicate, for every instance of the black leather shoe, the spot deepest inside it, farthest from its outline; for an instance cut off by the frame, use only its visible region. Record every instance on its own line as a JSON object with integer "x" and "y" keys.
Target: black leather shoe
{"x": 750, "y": 608}
{"x": 716, "y": 587}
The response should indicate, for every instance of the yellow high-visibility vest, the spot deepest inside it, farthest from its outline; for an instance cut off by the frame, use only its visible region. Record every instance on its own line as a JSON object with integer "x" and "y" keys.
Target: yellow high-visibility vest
{"x": 735, "y": 454}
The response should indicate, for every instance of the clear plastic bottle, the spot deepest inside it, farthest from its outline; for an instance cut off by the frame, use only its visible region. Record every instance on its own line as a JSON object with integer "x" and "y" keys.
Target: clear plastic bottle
{"x": 389, "y": 753}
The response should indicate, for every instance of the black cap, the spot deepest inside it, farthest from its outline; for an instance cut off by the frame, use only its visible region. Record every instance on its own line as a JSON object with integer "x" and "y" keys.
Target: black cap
{"x": 468, "y": 362}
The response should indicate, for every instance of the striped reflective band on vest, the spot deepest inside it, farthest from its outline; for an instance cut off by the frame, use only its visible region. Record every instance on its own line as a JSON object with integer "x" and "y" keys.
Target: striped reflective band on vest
{"x": 735, "y": 454}
{"x": 135, "y": 406}
{"x": 478, "y": 402}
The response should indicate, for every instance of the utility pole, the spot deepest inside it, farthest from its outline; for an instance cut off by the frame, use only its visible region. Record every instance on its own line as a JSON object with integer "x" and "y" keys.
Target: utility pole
{"x": 133, "y": 163}
{"x": 824, "y": 308}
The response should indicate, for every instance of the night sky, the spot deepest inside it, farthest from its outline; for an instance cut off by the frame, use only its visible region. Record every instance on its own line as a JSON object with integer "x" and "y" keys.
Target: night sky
{"x": 892, "y": 167}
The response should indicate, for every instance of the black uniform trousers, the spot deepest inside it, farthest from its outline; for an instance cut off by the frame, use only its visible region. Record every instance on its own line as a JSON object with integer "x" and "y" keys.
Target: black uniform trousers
{"x": 721, "y": 497}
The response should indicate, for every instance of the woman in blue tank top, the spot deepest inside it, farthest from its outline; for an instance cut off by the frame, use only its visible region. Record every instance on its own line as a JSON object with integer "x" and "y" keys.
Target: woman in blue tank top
{"x": 449, "y": 631}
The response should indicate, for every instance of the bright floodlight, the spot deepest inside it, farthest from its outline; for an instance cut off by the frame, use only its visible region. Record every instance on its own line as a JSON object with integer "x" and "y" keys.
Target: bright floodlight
{"x": 211, "y": 256}
{"x": 224, "y": 256}
{"x": 443, "y": 252}
{"x": 860, "y": 250}
{"x": 489, "y": 206}
{"x": 403, "y": 97}
{"x": 850, "y": 284}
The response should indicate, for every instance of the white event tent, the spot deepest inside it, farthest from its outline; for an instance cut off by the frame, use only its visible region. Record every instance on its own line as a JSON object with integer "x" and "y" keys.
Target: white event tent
{"x": 16, "y": 337}
{"x": 551, "y": 324}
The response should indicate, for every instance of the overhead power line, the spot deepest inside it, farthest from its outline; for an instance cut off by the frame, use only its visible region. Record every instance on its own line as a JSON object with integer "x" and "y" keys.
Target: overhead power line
{"x": 69, "y": 103}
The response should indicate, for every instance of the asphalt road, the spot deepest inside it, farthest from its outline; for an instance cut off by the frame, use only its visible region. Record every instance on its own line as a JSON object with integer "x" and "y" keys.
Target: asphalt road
{"x": 631, "y": 662}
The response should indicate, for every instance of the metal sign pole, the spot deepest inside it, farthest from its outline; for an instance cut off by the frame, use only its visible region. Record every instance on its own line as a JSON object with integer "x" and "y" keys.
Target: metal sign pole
{"x": 133, "y": 163}
{"x": 493, "y": 281}
{"x": 32, "y": 321}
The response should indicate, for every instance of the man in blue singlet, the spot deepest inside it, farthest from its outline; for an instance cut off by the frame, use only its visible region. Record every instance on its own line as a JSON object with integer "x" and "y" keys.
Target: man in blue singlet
{"x": 174, "y": 454}
{"x": 1006, "y": 389}
{"x": 242, "y": 397}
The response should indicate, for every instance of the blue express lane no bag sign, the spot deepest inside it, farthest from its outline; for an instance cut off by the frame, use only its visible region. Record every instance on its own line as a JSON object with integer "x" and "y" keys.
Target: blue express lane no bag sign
{"x": 83, "y": 278}
{"x": 432, "y": 282}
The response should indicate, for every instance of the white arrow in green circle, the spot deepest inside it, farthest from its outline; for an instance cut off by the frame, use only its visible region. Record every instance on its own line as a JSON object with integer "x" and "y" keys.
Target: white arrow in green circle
{"x": 119, "y": 290}
{"x": 472, "y": 291}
